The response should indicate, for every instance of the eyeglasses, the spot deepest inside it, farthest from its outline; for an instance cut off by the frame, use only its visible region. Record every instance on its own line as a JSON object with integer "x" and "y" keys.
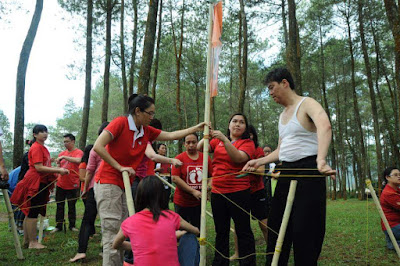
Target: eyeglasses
{"x": 395, "y": 175}
{"x": 152, "y": 114}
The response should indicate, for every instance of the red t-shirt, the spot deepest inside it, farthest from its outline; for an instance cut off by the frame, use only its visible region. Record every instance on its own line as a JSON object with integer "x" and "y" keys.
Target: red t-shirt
{"x": 150, "y": 167}
{"x": 123, "y": 150}
{"x": 82, "y": 166}
{"x": 70, "y": 181}
{"x": 256, "y": 181}
{"x": 192, "y": 173}
{"x": 222, "y": 165}
{"x": 153, "y": 243}
{"x": 390, "y": 202}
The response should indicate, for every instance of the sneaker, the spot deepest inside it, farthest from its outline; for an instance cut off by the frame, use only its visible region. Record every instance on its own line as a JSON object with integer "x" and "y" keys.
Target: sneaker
{"x": 55, "y": 230}
{"x": 74, "y": 229}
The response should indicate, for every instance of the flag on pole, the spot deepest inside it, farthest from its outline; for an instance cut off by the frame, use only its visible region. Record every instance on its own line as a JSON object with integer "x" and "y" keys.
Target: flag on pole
{"x": 216, "y": 47}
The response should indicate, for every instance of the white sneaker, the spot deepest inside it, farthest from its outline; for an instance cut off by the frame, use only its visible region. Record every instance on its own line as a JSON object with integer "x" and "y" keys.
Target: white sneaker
{"x": 55, "y": 230}
{"x": 74, "y": 229}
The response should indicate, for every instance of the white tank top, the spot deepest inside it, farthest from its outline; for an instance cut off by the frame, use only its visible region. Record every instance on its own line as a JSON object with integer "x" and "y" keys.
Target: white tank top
{"x": 296, "y": 142}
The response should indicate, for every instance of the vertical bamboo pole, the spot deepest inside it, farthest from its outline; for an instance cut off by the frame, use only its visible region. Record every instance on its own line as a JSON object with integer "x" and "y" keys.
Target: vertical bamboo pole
{"x": 128, "y": 193}
{"x": 40, "y": 237}
{"x": 206, "y": 143}
{"x": 10, "y": 211}
{"x": 285, "y": 220}
{"x": 385, "y": 221}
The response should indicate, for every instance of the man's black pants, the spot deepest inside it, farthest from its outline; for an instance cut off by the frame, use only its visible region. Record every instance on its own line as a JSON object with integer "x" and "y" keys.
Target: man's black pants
{"x": 71, "y": 195}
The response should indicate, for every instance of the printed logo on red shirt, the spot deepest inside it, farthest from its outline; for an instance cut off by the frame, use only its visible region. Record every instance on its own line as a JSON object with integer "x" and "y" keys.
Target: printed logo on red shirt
{"x": 194, "y": 176}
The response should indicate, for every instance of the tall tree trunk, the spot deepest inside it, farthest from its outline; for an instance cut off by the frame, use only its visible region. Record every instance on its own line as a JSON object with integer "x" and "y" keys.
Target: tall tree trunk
{"x": 123, "y": 67}
{"x": 18, "y": 149}
{"x": 178, "y": 57}
{"x": 371, "y": 89}
{"x": 243, "y": 64}
{"x": 134, "y": 44}
{"x": 294, "y": 53}
{"x": 106, "y": 92}
{"x": 88, "y": 75}
{"x": 393, "y": 14}
{"x": 148, "y": 48}
{"x": 157, "y": 52}
{"x": 231, "y": 80}
{"x": 284, "y": 23}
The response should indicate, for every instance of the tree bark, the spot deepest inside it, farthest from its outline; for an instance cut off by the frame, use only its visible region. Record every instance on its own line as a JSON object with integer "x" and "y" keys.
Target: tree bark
{"x": 123, "y": 67}
{"x": 243, "y": 59}
{"x": 18, "y": 149}
{"x": 134, "y": 44}
{"x": 148, "y": 48}
{"x": 88, "y": 75}
{"x": 157, "y": 52}
{"x": 294, "y": 53}
{"x": 284, "y": 24}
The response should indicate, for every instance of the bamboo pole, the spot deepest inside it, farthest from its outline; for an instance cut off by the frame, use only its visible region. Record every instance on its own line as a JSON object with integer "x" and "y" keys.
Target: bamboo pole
{"x": 285, "y": 220}
{"x": 128, "y": 193}
{"x": 385, "y": 221}
{"x": 172, "y": 187}
{"x": 206, "y": 143}
{"x": 10, "y": 211}
{"x": 40, "y": 237}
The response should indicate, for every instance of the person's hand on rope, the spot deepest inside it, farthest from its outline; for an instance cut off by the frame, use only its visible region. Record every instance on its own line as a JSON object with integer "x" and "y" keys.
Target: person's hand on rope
{"x": 196, "y": 194}
{"x": 176, "y": 162}
{"x": 129, "y": 170}
{"x": 58, "y": 160}
{"x": 63, "y": 171}
{"x": 251, "y": 166}
{"x": 325, "y": 169}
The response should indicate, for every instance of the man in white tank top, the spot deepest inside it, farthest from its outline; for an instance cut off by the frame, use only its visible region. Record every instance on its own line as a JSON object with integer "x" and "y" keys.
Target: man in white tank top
{"x": 304, "y": 138}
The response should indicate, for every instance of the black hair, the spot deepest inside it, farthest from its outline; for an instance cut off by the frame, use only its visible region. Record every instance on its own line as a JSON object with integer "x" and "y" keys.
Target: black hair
{"x": 161, "y": 144}
{"x": 246, "y": 133}
{"x": 70, "y": 136}
{"x": 279, "y": 74}
{"x": 86, "y": 152}
{"x": 156, "y": 123}
{"x": 150, "y": 194}
{"x": 38, "y": 129}
{"x": 386, "y": 173}
{"x": 194, "y": 134}
{"x": 102, "y": 127}
{"x": 253, "y": 131}
{"x": 139, "y": 101}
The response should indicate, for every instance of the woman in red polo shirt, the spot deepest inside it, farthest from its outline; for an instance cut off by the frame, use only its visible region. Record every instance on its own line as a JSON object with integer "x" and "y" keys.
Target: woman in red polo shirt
{"x": 122, "y": 146}
{"x": 32, "y": 193}
{"x": 390, "y": 202}
{"x": 231, "y": 152}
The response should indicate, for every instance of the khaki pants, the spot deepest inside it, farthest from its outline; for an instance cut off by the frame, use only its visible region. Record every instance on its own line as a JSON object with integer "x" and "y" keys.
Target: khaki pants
{"x": 112, "y": 208}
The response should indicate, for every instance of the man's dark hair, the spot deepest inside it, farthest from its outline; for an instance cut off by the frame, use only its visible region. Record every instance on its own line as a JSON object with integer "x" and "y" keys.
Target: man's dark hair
{"x": 156, "y": 123}
{"x": 279, "y": 74}
{"x": 194, "y": 134}
{"x": 70, "y": 136}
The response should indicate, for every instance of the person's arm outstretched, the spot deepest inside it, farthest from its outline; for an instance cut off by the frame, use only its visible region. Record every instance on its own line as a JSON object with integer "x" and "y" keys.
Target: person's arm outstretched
{"x": 179, "y": 134}
{"x": 120, "y": 243}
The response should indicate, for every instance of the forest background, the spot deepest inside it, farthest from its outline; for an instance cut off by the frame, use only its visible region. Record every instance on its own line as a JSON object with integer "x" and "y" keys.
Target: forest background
{"x": 345, "y": 54}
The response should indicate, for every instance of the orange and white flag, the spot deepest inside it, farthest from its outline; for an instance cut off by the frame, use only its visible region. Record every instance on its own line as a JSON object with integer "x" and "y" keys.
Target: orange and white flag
{"x": 216, "y": 45}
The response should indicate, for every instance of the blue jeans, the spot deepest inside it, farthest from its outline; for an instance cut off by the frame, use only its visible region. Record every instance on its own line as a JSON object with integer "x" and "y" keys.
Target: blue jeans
{"x": 396, "y": 233}
{"x": 188, "y": 250}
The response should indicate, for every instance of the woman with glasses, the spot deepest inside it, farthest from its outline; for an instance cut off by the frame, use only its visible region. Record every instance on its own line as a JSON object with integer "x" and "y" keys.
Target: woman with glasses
{"x": 122, "y": 146}
{"x": 390, "y": 202}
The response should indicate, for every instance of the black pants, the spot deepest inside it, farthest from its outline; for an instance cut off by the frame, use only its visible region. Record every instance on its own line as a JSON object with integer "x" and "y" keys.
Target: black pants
{"x": 223, "y": 211}
{"x": 71, "y": 196}
{"x": 306, "y": 227}
{"x": 87, "y": 226}
{"x": 190, "y": 214}
{"x": 39, "y": 200}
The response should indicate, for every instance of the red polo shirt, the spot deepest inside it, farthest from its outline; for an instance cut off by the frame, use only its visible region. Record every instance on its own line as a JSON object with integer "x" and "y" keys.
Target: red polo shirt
{"x": 124, "y": 149}
{"x": 390, "y": 202}
{"x": 192, "y": 173}
{"x": 222, "y": 165}
{"x": 256, "y": 181}
{"x": 70, "y": 181}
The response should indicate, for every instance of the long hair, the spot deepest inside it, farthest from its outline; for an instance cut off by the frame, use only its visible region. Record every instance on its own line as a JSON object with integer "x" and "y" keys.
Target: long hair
{"x": 253, "y": 131}
{"x": 151, "y": 194}
{"x": 246, "y": 133}
{"x": 386, "y": 173}
{"x": 37, "y": 129}
{"x": 86, "y": 152}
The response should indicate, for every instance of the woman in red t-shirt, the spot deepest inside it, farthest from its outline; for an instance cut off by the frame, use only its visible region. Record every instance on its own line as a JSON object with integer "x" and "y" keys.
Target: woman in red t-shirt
{"x": 122, "y": 146}
{"x": 390, "y": 202}
{"x": 31, "y": 192}
{"x": 231, "y": 152}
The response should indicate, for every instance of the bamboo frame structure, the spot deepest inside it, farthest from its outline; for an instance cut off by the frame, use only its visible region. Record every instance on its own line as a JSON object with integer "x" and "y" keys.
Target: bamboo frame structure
{"x": 383, "y": 217}
{"x": 10, "y": 211}
{"x": 40, "y": 237}
{"x": 206, "y": 143}
{"x": 128, "y": 193}
{"x": 285, "y": 220}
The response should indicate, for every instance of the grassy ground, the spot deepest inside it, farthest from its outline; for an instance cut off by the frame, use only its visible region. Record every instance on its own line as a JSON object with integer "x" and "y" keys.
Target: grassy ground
{"x": 347, "y": 241}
